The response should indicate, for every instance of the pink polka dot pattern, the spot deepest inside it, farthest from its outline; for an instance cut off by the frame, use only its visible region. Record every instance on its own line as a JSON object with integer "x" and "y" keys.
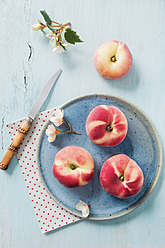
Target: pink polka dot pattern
{"x": 49, "y": 215}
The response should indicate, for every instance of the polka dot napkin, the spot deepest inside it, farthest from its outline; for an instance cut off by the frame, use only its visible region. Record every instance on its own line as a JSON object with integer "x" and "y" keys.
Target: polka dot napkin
{"x": 50, "y": 215}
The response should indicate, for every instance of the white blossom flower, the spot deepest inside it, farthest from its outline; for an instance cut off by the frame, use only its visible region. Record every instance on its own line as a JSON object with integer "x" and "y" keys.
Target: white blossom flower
{"x": 53, "y": 39}
{"x": 83, "y": 207}
{"x": 59, "y": 49}
{"x": 51, "y": 133}
{"x": 36, "y": 27}
{"x": 57, "y": 117}
{"x": 54, "y": 42}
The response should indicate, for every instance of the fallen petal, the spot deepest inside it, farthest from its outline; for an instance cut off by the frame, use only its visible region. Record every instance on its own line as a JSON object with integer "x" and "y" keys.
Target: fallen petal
{"x": 83, "y": 207}
{"x": 85, "y": 211}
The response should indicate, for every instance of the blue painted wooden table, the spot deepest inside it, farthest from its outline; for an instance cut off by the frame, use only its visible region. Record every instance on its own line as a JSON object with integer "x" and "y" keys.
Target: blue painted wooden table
{"x": 27, "y": 61}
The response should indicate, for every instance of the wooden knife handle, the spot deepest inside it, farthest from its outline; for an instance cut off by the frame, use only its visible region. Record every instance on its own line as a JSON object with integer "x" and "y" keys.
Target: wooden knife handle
{"x": 13, "y": 148}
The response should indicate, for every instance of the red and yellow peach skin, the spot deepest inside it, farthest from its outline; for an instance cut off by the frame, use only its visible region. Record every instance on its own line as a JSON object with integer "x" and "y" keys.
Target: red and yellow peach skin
{"x": 106, "y": 125}
{"x": 113, "y": 59}
{"x": 121, "y": 176}
{"x": 73, "y": 167}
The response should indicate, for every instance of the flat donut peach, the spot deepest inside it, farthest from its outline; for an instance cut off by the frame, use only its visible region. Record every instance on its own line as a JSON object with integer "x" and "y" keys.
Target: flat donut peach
{"x": 73, "y": 167}
{"x": 106, "y": 126}
{"x": 113, "y": 59}
{"x": 121, "y": 176}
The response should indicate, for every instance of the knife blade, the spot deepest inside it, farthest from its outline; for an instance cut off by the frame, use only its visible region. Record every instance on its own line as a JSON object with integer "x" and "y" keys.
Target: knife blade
{"x": 24, "y": 128}
{"x": 43, "y": 95}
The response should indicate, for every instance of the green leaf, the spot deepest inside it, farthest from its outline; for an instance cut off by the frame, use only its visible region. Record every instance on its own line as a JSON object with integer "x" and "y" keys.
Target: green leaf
{"x": 71, "y": 36}
{"x": 46, "y": 17}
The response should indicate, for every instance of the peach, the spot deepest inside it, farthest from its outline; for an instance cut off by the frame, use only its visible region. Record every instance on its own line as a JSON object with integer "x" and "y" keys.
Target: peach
{"x": 113, "y": 59}
{"x": 106, "y": 125}
{"x": 73, "y": 167}
{"x": 121, "y": 176}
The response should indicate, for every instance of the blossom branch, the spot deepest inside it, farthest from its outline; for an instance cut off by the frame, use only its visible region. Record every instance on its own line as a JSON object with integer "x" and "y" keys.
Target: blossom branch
{"x": 69, "y": 126}
{"x": 56, "y": 36}
{"x": 57, "y": 119}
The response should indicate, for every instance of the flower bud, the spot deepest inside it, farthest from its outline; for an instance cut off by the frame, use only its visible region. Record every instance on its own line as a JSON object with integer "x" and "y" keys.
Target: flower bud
{"x": 36, "y": 27}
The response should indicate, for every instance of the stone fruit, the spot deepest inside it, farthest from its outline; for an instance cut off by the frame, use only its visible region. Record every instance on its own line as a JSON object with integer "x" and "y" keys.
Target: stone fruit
{"x": 73, "y": 167}
{"x": 106, "y": 125}
{"x": 113, "y": 59}
{"x": 121, "y": 176}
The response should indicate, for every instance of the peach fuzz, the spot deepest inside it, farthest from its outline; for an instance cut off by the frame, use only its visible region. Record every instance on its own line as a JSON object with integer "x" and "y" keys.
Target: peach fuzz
{"x": 113, "y": 59}
{"x": 73, "y": 167}
{"x": 106, "y": 125}
{"x": 121, "y": 176}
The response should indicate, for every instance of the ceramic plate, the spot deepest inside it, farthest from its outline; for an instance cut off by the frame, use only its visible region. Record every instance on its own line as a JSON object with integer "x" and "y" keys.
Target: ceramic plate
{"x": 141, "y": 144}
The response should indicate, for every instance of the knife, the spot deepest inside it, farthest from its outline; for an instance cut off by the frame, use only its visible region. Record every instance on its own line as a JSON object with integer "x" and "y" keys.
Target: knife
{"x": 24, "y": 128}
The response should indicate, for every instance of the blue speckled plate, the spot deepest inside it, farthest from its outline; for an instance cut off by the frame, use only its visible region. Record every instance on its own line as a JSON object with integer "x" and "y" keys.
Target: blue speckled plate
{"x": 141, "y": 144}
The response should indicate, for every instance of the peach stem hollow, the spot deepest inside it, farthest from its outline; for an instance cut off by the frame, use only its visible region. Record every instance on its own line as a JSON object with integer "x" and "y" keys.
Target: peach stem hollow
{"x": 72, "y": 166}
{"x": 121, "y": 178}
{"x": 113, "y": 58}
{"x": 109, "y": 128}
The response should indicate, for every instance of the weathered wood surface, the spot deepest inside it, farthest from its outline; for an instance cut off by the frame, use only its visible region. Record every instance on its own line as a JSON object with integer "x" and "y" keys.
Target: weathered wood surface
{"x": 26, "y": 62}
